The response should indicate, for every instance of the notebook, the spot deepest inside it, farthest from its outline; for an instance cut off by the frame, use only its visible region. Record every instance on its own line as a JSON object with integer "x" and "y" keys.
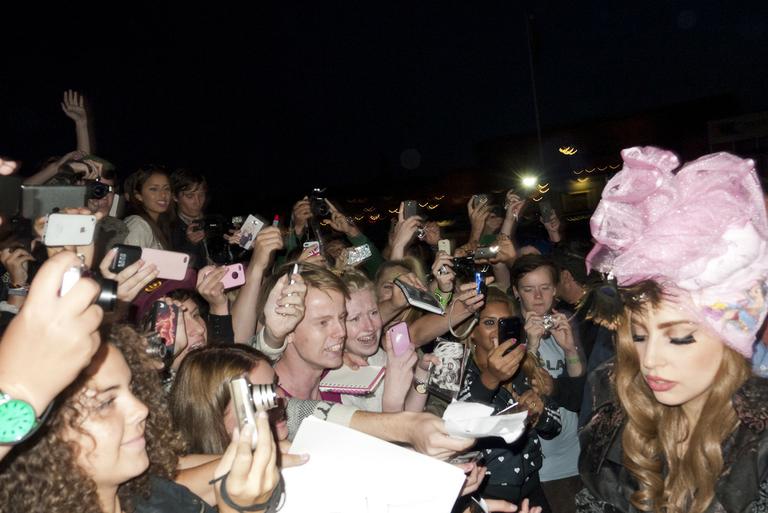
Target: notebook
{"x": 354, "y": 382}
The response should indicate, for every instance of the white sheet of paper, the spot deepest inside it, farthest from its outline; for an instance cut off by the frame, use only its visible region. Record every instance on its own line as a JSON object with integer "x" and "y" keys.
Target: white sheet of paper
{"x": 351, "y": 472}
{"x": 474, "y": 420}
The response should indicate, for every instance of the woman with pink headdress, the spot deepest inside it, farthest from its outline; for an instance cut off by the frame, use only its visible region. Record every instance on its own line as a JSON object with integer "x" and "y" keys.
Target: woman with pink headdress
{"x": 680, "y": 421}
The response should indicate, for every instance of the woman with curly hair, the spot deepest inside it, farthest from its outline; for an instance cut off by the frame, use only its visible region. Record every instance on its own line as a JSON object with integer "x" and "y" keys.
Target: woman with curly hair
{"x": 107, "y": 447}
{"x": 679, "y": 421}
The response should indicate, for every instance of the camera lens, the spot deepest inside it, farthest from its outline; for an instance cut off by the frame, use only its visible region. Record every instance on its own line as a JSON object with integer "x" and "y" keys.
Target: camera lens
{"x": 107, "y": 294}
{"x": 264, "y": 397}
{"x": 235, "y": 275}
{"x": 96, "y": 190}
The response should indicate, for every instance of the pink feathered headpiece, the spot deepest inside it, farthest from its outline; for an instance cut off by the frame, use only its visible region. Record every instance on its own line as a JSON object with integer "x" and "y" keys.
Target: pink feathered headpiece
{"x": 700, "y": 231}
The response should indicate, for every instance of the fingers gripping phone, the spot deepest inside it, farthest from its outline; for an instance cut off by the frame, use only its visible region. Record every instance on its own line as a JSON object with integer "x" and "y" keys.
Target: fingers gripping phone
{"x": 510, "y": 328}
{"x": 170, "y": 264}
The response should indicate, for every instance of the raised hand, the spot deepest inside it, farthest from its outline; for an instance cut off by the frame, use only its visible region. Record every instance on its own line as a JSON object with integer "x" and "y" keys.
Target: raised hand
{"x": 501, "y": 367}
{"x": 301, "y": 216}
{"x": 341, "y": 223}
{"x": 7, "y": 167}
{"x": 209, "y": 286}
{"x": 284, "y": 308}
{"x": 15, "y": 262}
{"x": 442, "y": 270}
{"x": 73, "y": 106}
{"x": 57, "y": 335}
{"x": 267, "y": 241}
{"x": 131, "y": 280}
{"x": 251, "y": 474}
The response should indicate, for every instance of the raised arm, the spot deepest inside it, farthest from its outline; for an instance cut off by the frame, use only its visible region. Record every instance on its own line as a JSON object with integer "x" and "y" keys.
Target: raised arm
{"x": 244, "y": 314}
{"x": 73, "y": 106}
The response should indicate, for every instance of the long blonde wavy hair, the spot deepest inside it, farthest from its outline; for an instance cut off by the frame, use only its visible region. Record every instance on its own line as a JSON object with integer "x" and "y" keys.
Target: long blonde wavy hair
{"x": 671, "y": 482}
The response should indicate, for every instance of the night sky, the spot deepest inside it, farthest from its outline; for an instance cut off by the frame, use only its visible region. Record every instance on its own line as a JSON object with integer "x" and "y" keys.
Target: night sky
{"x": 272, "y": 99}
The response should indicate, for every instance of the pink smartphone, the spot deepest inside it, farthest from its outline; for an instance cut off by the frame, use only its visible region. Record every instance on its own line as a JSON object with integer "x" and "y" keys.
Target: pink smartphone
{"x": 170, "y": 264}
{"x": 399, "y": 338}
{"x": 235, "y": 276}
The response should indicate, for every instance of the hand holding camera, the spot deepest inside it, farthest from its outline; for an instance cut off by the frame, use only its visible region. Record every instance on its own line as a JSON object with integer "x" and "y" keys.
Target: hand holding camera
{"x": 56, "y": 334}
{"x": 442, "y": 270}
{"x": 503, "y": 363}
{"x": 341, "y": 223}
{"x": 246, "y": 476}
{"x": 267, "y": 241}
{"x": 534, "y": 330}
{"x": 478, "y": 213}
{"x": 284, "y": 308}
{"x": 302, "y": 213}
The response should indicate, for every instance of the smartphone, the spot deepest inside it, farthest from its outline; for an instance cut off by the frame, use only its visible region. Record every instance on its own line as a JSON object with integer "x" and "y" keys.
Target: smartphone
{"x": 510, "y": 328}
{"x": 480, "y": 286}
{"x": 164, "y": 319}
{"x": 486, "y": 252}
{"x": 410, "y": 209}
{"x": 170, "y": 264}
{"x": 235, "y": 276}
{"x": 313, "y": 246}
{"x": 40, "y": 200}
{"x": 399, "y": 338}
{"x": 545, "y": 209}
{"x": 420, "y": 298}
{"x": 445, "y": 246}
{"x": 358, "y": 255}
{"x": 480, "y": 199}
{"x": 248, "y": 231}
{"x": 118, "y": 206}
{"x": 69, "y": 230}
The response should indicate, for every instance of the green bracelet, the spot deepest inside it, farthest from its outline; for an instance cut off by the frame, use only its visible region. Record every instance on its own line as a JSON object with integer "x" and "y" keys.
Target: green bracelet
{"x": 575, "y": 360}
{"x": 443, "y": 299}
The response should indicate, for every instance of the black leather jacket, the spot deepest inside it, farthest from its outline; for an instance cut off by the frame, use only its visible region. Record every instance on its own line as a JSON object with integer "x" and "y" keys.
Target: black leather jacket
{"x": 742, "y": 487}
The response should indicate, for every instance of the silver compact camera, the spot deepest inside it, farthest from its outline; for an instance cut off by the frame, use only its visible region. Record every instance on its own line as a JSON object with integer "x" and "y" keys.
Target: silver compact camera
{"x": 248, "y": 398}
{"x": 548, "y": 322}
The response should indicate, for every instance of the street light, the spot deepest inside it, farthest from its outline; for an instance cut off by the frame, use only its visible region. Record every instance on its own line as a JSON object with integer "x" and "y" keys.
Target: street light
{"x": 529, "y": 181}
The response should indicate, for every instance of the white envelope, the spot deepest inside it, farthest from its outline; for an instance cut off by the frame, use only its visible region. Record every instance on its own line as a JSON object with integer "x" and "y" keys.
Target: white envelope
{"x": 474, "y": 420}
{"x": 351, "y": 472}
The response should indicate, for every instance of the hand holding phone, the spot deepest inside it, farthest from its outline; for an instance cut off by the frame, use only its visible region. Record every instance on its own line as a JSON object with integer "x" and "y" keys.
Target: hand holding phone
{"x": 510, "y": 328}
{"x": 170, "y": 264}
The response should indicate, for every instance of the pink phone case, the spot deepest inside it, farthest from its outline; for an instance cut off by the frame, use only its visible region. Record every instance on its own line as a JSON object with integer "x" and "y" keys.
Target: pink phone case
{"x": 400, "y": 338}
{"x": 170, "y": 264}
{"x": 235, "y": 276}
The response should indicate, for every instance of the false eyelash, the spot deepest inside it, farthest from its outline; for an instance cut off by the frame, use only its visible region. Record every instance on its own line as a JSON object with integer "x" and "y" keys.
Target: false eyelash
{"x": 684, "y": 340}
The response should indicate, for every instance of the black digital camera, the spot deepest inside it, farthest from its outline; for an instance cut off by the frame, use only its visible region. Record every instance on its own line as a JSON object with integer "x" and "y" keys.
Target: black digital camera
{"x": 317, "y": 204}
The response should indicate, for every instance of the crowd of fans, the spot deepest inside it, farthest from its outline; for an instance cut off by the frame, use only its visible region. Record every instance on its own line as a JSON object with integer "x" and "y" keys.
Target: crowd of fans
{"x": 631, "y": 358}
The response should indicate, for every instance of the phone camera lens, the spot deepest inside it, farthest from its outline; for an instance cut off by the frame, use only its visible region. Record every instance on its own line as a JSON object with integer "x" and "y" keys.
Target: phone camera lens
{"x": 235, "y": 275}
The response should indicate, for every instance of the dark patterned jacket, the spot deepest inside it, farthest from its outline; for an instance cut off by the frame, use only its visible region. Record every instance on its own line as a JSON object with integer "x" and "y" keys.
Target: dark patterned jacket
{"x": 510, "y": 466}
{"x": 742, "y": 487}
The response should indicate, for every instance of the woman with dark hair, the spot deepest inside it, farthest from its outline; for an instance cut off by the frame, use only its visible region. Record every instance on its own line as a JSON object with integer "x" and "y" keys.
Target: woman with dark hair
{"x": 108, "y": 447}
{"x": 149, "y": 194}
{"x": 679, "y": 422}
{"x": 499, "y": 378}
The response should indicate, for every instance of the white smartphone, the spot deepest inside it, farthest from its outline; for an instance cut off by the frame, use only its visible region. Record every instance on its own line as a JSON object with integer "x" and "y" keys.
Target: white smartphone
{"x": 444, "y": 245}
{"x": 69, "y": 230}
